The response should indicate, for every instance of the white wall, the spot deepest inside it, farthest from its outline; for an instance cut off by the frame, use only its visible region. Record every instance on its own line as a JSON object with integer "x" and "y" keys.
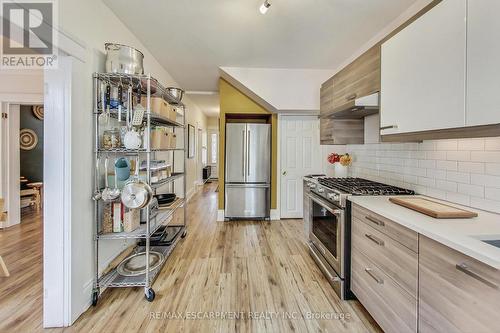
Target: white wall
{"x": 93, "y": 24}
{"x": 284, "y": 89}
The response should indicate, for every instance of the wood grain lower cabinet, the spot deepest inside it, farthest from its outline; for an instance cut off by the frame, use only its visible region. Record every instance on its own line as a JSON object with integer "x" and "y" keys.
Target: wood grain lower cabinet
{"x": 396, "y": 260}
{"x": 384, "y": 271}
{"x": 456, "y": 293}
{"x": 403, "y": 235}
{"x": 393, "y": 309}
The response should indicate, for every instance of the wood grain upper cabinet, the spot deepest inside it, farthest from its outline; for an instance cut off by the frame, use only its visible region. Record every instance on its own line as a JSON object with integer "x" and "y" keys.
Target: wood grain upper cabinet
{"x": 326, "y": 97}
{"x": 456, "y": 293}
{"x": 358, "y": 79}
{"x": 423, "y": 72}
{"x": 483, "y": 65}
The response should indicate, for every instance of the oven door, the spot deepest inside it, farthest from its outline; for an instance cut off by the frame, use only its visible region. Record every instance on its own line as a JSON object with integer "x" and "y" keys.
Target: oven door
{"x": 326, "y": 231}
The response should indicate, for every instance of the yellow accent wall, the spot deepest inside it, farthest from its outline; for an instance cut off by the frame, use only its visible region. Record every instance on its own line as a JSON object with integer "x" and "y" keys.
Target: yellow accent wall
{"x": 233, "y": 101}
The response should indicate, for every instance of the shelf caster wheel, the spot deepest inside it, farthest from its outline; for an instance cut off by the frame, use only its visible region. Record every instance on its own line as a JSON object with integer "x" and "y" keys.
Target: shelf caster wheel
{"x": 150, "y": 294}
{"x": 95, "y": 297}
{"x": 184, "y": 234}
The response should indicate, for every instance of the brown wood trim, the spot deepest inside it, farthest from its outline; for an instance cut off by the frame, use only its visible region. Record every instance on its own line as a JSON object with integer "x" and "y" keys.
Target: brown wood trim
{"x": 451, "y": 133}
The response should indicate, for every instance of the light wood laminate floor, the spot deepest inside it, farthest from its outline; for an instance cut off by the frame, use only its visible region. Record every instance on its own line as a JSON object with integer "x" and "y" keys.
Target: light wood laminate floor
{"x": 259, "y": 271}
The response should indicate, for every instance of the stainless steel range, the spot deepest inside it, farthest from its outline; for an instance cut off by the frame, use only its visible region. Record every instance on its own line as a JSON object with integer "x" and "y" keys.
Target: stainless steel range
{"x": 327, "y": 213}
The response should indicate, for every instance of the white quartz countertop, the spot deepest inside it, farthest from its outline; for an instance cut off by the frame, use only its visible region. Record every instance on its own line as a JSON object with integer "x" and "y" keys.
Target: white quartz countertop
{"x": 463, "y": 235}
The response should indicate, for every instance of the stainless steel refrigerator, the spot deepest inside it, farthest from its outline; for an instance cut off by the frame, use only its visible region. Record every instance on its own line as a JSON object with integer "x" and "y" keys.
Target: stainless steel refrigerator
{"x": 248, "y": 171}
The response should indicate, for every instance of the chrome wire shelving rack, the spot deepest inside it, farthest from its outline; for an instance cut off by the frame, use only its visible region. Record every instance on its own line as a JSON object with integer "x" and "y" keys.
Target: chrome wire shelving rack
{"x": 148, "y": 87}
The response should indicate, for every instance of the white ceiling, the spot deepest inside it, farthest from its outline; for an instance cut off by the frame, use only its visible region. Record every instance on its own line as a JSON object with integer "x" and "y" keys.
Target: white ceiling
{"x": 193, "y": 38}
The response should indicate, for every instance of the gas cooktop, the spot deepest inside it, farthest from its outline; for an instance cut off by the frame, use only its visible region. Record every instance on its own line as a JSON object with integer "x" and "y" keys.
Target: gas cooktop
{"x": 360, "y": 186}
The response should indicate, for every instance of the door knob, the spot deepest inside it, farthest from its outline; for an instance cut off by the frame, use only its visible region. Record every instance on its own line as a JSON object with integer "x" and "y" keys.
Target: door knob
{"x": 284, "y": 173}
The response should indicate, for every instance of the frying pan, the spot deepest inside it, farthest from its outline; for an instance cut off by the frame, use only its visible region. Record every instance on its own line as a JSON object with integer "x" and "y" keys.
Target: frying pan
{"x": 136, "y": 194}
{"x": 165, "y": 199}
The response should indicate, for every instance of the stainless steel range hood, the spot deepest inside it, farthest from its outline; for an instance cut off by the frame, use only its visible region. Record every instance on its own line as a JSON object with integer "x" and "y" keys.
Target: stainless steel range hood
{"x": 357, "y": 108}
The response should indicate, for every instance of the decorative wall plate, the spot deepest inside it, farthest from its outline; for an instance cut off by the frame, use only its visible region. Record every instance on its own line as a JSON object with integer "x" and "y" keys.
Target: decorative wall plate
{"x": 27, "y": 139}
{"x": 38, "y": 111}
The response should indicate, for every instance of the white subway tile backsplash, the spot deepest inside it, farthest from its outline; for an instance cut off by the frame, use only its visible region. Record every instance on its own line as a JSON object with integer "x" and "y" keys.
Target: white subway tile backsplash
{"x": 435, "y": 193}
{"x": 446, "y": 185}
{"x": 492, "y": 169}
{"x": 447, "y": 165}
{"x": 461, "y": 199}
{"x": 437, "y": 174}
{"x": 428, "y": 182}
{"x": 427, "y": 145}
{"x": 472, "y": 190}
{"x": 458, "y": 155}
{"x": 430, "y": 164}
{"x": 485, "y": 156}
{"x": 492, "y": 193}
{"x": 459, "y": 177}
{"x": 465, "y": 171}
{"x": 471, "y": 144}
{"x": 485, "y": 180}
{"x": 435, "y": 155}
{"x": 447, "y": 145}
{"x": 471, "y": 167}
{"x": 492, "y": 144}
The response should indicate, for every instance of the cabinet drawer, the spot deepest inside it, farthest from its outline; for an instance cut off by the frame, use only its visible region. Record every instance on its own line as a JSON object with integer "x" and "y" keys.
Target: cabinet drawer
{"x": 403, "y": 235}
{"x": 394, "y": 259}
{"x": 456, "y": 293}
{"x": 392, "y": 308}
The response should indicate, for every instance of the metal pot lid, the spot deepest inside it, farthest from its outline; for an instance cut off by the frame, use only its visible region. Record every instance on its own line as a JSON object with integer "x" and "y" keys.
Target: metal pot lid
{"x": 134, "y": 195}
{"x": 136, "y": 264}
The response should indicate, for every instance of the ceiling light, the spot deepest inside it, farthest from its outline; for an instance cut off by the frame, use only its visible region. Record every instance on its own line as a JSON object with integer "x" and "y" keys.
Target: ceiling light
{"x": 264, "y": 7}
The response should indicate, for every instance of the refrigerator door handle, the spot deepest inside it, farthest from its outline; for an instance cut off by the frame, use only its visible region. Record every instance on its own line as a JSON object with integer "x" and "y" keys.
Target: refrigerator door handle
{"x": 243, "y": 154}
{"x": 248, "y": 153}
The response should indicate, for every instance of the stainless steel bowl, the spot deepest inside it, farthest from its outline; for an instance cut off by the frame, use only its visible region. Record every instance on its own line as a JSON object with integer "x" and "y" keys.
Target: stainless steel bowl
{"x": 123, "y": 59}
{"x": 177, "y": 93}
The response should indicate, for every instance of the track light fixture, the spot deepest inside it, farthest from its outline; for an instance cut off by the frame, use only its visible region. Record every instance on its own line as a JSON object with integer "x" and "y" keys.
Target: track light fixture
{"x": 264, "y": 7}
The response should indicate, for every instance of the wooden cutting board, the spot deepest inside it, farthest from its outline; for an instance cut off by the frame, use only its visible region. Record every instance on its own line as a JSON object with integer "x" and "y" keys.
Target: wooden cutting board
{"x": 432, "y": 208}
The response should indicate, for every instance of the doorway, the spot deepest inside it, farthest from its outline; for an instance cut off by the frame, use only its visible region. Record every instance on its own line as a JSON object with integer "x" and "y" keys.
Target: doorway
{"x": 31, "y": 162}
{"x": 299, "y": 156}
{"x": 213, "y": 152}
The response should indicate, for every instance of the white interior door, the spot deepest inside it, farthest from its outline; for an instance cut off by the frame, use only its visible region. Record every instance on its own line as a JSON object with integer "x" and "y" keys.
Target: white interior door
{"x": 300, "y": 156}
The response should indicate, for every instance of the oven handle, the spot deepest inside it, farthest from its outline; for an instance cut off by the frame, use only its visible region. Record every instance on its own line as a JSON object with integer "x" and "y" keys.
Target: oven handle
{"x": 320, "y": 262}
{"x": 326, "y": 205}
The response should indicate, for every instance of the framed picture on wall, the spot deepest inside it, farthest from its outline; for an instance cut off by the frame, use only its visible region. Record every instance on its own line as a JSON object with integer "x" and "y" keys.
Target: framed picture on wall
{"x": 191, "y": 141}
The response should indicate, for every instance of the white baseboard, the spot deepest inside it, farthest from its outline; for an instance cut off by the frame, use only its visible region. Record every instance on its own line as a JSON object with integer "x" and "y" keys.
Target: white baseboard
{"x": 220, "y": 215}
{"x": 275, "y": 214}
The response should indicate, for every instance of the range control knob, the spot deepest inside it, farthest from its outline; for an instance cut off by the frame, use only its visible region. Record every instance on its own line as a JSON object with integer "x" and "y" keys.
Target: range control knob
{"x": 311, "y": 185}
{"x": 333, "y": 196}
{"x": 321, "y": 190}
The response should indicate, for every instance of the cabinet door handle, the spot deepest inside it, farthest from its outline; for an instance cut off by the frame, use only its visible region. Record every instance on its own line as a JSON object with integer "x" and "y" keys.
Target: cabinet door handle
{"x": 376, "y": 278}
{"x": 388, "y": 127}
{"x": 351, "y": 97}
{"x": 375, "y": 239}
{"x": 374, "y": 220}
{"x": 465, "y": 269}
